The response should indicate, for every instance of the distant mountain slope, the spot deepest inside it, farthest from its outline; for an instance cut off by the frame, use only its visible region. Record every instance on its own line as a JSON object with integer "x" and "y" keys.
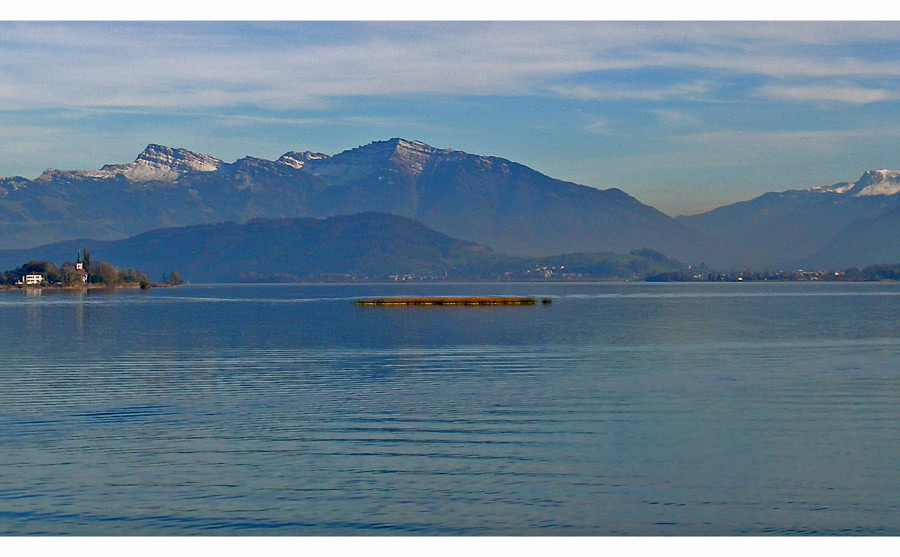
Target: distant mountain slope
{"x": 489, "y": 200}
{"x": 866, "y": 241}
{"x": 366, "y": 246}
{"x": 370, "y": 245}
{"x": 786, "y": 228}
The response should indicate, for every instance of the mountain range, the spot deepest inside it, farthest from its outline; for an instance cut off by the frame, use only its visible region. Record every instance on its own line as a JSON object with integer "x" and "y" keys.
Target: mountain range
{"x": 489, "y": 200}
{"x": 486, "y": 200}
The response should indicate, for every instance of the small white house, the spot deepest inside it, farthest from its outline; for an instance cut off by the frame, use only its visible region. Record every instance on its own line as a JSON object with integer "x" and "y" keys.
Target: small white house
{"x": 34, "y": 278}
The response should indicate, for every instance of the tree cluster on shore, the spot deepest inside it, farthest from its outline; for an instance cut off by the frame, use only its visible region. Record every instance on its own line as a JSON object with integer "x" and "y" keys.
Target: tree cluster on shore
{"x": 69, "y": 275}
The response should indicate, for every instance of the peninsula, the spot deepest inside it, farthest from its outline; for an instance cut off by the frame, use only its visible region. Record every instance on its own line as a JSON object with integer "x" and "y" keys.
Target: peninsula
{"x": 83, "y": 273}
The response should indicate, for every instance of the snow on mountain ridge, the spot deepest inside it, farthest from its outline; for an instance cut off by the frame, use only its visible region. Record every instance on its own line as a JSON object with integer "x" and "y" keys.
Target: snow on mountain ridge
{"x": 164, "y": 164}
{"x": 413, "y": 155}
{"x": 156, "y": 163}
{"x": 877, "y": 182}
{"x": 840, "y": 187}
{"x": 179, "y": 159}
{"x": 297, "y": 160}
{"x": 872, "y": 182}
{"x": 353, "y": 164}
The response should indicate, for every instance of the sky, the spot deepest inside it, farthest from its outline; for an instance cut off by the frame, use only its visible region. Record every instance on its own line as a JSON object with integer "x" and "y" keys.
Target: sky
{"x": 685, "y": 116}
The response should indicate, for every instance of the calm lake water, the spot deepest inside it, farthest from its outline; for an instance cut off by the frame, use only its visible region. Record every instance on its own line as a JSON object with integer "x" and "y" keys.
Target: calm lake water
{"x": 638, "y": 409}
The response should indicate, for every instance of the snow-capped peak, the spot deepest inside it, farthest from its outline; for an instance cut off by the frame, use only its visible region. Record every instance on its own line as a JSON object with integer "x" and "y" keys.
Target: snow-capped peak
{"x": 297, "y": 160}
{"x": 872, "y": 182}
{"x": 156, "y": 163}
{"x": 178, "y": 159}
{"x": 877, "y": 182}
{"x": 412, "y": 154}
{"x": 164, "y": 164}
{"x": 406, "y": 156}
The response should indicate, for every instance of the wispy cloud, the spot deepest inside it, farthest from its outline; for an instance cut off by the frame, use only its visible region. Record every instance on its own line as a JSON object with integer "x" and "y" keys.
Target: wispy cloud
{"x": 599, "y": 125}
{"x": 674, "y": 117}
{"x": 369, "y": 121}
{"x": 690, "y": 91}
{"x": 850, "y": 95}
{"x": 762, "y": 143}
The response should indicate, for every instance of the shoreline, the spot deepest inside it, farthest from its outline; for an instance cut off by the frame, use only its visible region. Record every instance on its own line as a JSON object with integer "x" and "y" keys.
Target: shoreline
{"x": 85, "y": 287}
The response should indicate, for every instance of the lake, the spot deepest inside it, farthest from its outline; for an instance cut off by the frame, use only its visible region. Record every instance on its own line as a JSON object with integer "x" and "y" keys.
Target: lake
{"x": 619, "y": 409}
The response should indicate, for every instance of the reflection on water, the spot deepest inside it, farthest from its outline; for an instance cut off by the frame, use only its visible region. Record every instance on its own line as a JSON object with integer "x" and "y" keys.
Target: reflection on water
{"x": 619, "y": 409}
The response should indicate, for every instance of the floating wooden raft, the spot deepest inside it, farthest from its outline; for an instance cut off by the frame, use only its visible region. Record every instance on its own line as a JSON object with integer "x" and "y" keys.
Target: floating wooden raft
{"x": 452, "y": 301}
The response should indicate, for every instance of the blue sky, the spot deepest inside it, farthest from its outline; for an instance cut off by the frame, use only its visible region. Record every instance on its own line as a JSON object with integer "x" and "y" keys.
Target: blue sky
{"x": 684, "y": 116}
